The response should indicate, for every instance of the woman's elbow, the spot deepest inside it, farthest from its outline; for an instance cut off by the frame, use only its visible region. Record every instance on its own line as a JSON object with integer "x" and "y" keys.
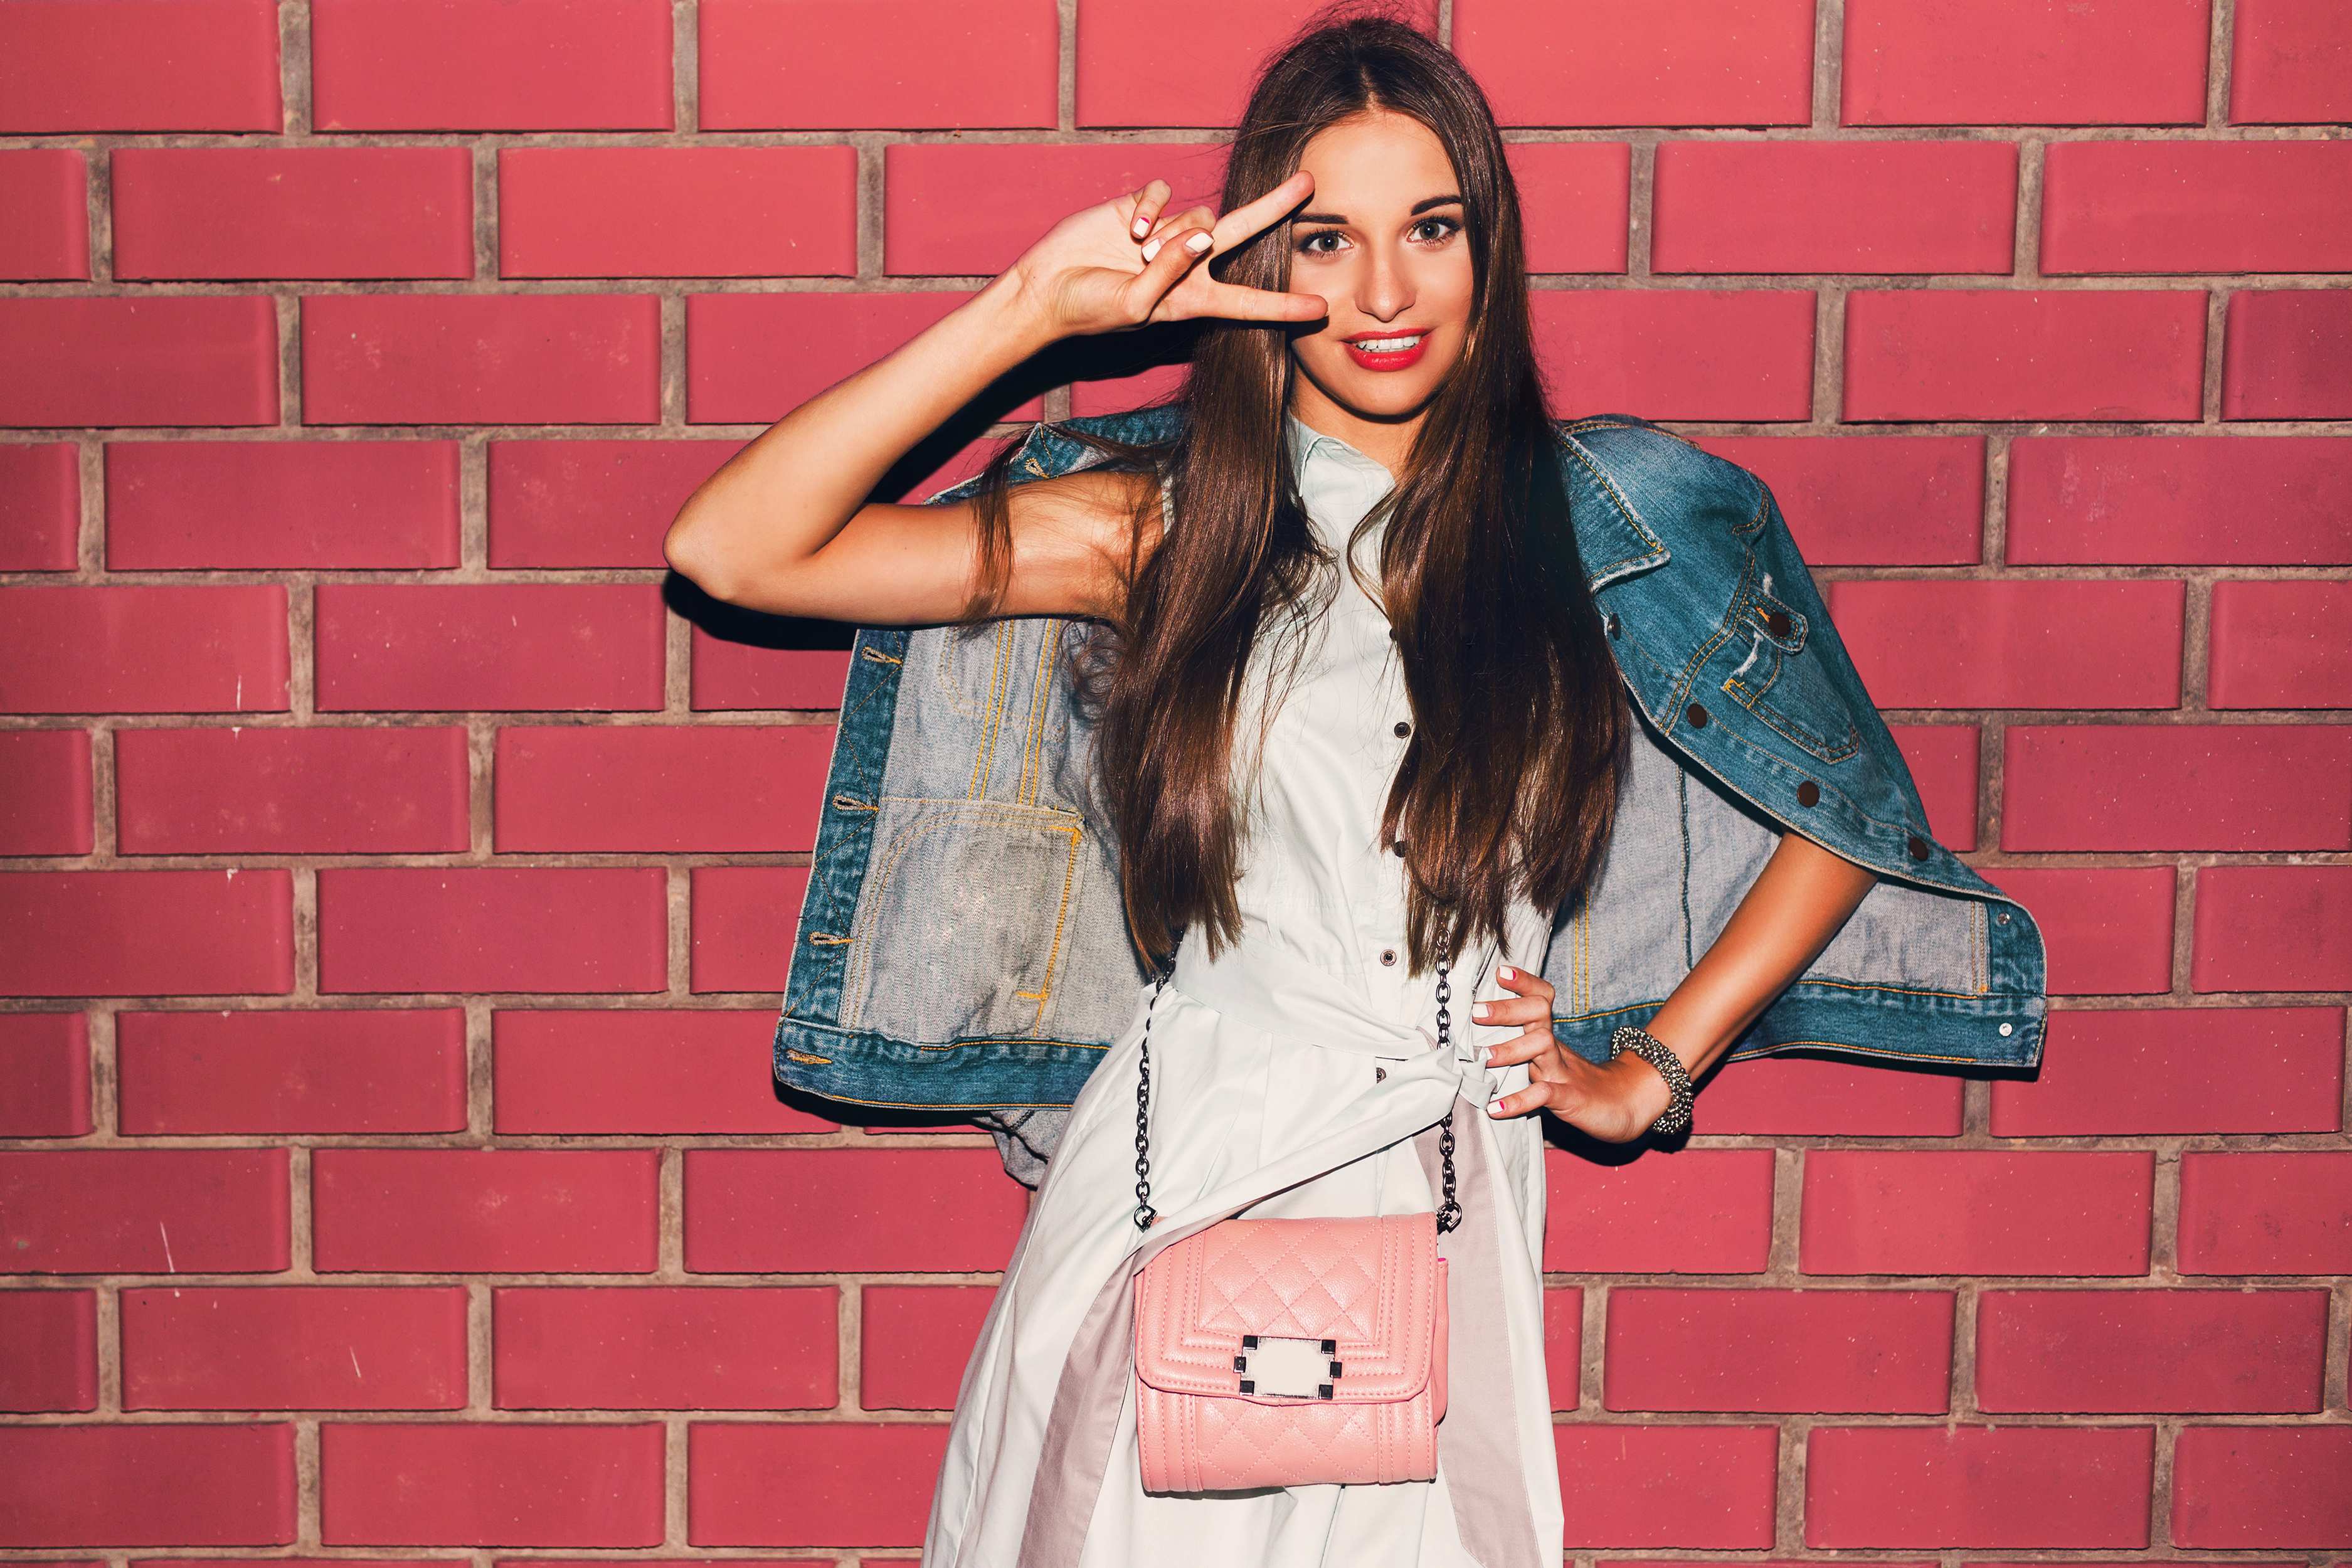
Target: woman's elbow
{"x": 695, "y": 553}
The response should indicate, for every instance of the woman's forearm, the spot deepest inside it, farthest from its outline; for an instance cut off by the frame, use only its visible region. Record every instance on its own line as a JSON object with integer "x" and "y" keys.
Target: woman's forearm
{"x": 786, "y": 495}
{"x": 1795, "y": 906}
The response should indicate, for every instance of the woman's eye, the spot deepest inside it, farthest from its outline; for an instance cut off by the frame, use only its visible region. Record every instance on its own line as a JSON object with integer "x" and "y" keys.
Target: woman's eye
{"x": 1325, "y": 243}
{"x": 1435, "y": 230}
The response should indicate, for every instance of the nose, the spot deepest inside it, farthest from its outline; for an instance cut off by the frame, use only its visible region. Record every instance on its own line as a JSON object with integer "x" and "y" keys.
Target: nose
{"x": 1386, "y": 291}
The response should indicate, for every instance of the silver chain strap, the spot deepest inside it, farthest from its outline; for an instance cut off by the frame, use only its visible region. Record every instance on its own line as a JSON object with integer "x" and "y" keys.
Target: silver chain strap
{"x": 1449, "y": 1212}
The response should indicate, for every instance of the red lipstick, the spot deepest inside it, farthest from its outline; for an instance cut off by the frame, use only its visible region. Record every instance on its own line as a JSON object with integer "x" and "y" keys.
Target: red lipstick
{"x": 1388, "y": 350}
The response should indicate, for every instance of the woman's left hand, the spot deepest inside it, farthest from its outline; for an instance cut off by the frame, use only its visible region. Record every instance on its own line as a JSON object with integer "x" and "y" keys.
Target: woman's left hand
{"x": 1615, "y": 1103}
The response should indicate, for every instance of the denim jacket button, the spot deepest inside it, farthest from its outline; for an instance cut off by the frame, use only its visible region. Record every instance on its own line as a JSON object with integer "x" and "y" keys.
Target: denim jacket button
{"x": 1697, "y": 716}
{"x": 1777, "y": 623}
{"x": 1388, "y": 957}
{"x": 1918, "y": 847}
{"x": 1809, "y": 794}
{"x": 1615, "y": 629}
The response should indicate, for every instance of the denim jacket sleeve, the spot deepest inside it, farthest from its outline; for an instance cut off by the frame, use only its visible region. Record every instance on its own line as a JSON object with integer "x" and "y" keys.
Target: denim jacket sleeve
{"x": 964, "y": 946}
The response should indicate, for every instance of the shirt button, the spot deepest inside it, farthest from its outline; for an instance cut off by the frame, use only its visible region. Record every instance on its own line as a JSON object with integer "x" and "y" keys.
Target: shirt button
{"x": 1388, "y": 957}
{"x": 1398, "y": 847}
{"x": 1403, "y": 730}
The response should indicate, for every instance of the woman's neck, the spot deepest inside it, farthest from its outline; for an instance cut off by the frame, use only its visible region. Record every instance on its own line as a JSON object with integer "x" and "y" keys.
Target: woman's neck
{"x": 1388, "y": 442}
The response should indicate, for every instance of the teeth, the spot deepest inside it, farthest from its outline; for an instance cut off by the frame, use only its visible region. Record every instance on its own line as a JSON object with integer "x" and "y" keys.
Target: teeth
{"x": 1388, "y": 345}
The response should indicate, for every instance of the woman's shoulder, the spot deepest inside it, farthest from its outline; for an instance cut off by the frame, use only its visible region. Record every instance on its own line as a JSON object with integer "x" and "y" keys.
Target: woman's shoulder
{"x": 1655, "y": 472}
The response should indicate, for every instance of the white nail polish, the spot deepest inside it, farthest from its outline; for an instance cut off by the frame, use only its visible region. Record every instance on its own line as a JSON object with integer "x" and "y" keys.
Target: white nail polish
{"x": 1478, "y": 1009}
{"x": 1506, "y": 972}
{"x": 1151, "y": 250}
{"x": 1141, "y": 228}
{"x": 1199, "y": 243}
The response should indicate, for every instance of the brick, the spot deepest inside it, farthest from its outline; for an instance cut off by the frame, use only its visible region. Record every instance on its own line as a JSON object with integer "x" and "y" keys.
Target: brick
{"x": 508, "y": 1211}
{"x": 2015, "y": 644}
{"x": 733, "y": 671}
{"x": 114, "y": 1211}
{"x": 1816, "y": 1096}
{"x": 502, "y": 1484}
{"x": 745, "y": 918}
{"x": 44, "y": 191}
{"x": 2262, "y": 1487}
{"x": 286, "y": 792}
{"x": 139, "y": 65}
{"x": 481, "y": 359}
{"x": 2290, "y": 63}
{"x": 609, "y": 1071}
{"x": 838, "y": 1484}
{"x": 1884, "y": 1211}
{"x": 146, "y": 933}
{"x": 644, "y": 1348}
{"x": 1958, "y": 354}
{"x": 1942, "y": 762}
{"x": 446, "y": 647}
{"x": 1564, "y": 1344}
{"x": 1679, "y": 353}
{"x": 678, "y": 212}
{"x": 2229, "y": 787}
{"x": 44, "y": 1076}
{"x": 294, "y": 1348}
{"x": 2273, "y": 928}
{"x": 2024, "y": 62}
{"x": 49, "y": 1351}
{"x": 2197, "y": 207}
{"x": 2280, "y": 645}
{"x": 294, "y": 1071}
{"x": 914, "y": 1341}
{"x": 491, "y": 64}
{"x": 643, "y": 787}
{"x": 1890, "y": 500}
{"x": 751, "y": 359}
{"x": 186, "y": 359}
{"x": 288, "y": 212}
{"x": 200, "y": 506}
{"x": 1835, "y": 206}
{"x": 1573, "y": 201}
{"x": 1696, "y": 1212}
{"x": 45, "y": 791}
{"x": 1943, "y": 1486}
{"x": 176, "y": 1485}
{"x": 863, "y": 1211}
{"x": 2288, "y": 355}
{"x": 789, "y": 65}
{"x": 2206, "y": 1070}
{"x": 40, "y": 506}
{"x": 2266, "y": 1214}
{"x": 1134, "y": 69}
{"x": 963, "y": 209}
{"x": 138, "y": 650}
{"x": 1627, "y": 1484}
{"x": 492, "y": 929}
{"x": 1810, "y": 1351}
{"x": 2109, "y": 930}
{"x": 1621, "y": 62}
{"x": 592, "y": 503}
{"x": 2156, "y": 500}
{"x": 2124, "y": 1352}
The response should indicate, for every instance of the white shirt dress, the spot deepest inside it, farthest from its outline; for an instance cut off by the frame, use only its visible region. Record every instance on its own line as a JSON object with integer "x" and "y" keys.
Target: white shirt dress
{"x": 1289, "y": 1077}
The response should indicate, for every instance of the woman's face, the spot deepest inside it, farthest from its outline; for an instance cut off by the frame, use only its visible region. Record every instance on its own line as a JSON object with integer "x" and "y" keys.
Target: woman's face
{"x": 1381, "y": 240}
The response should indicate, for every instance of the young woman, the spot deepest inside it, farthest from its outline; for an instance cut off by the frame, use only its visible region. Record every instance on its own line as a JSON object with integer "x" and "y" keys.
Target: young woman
{"x": 1356, "y": 625}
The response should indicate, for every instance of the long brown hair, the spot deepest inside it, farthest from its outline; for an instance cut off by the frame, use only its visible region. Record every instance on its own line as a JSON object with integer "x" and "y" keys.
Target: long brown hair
{"x": 1508, "y": 784}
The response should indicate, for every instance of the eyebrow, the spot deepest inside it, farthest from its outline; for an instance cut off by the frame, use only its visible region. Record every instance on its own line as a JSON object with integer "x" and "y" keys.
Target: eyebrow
{"x": 1418, "y": 208}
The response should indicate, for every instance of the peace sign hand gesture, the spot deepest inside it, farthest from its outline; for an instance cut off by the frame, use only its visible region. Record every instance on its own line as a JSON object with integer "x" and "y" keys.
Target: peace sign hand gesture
{"x": 1123, "y": 264}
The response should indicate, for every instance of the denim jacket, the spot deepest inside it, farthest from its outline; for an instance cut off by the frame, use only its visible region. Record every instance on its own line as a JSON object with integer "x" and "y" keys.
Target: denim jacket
{"x": 963, "y": 947}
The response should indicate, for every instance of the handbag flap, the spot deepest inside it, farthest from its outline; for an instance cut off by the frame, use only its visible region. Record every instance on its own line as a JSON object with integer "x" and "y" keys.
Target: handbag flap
{"x": 1369, "y": 1284}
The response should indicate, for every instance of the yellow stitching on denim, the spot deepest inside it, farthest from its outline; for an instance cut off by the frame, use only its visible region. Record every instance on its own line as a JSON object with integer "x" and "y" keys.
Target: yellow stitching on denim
{"x": 806, "y": 1059}
{"x": 1061, "y": 916}
{"x": 880, "y": 658}
{"x": 826, "y": 938}
{"x": 847, "y": 803}
{"x": 1031, "y": 772}
{"x": 994, "y": 718}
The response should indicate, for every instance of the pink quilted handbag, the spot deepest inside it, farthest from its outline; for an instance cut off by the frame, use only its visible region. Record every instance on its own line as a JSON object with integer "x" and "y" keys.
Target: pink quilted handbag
{"x": 1291, "y": 1351}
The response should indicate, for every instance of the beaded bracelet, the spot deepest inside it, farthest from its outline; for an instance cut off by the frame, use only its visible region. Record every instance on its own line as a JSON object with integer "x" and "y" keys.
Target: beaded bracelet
{"x": 1676, "y": 1117}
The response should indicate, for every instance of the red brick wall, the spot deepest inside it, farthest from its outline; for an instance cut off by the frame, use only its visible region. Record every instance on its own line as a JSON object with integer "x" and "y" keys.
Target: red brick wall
{"x": 400, "y": 889}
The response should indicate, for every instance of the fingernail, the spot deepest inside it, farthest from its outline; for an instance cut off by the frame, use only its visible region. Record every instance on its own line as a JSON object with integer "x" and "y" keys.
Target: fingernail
{"x": 1141, "y": 228}
{"x": 1508, "y": 973}
{"x": 1151, "y": 250}
{"x": 1199, "y": 243}
{"x": 1478, "y": 1009}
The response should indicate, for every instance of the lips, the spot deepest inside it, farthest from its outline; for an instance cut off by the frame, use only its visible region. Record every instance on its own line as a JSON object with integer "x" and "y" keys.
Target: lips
{"x": 1387, "y": 351}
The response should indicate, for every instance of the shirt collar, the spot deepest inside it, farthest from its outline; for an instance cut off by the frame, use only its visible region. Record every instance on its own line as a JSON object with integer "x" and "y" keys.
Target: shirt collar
{"x": 1306, "y": 444}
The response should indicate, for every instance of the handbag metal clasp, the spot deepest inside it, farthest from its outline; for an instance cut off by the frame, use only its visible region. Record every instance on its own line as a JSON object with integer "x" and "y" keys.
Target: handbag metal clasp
{"x": 1297, "y": 1369}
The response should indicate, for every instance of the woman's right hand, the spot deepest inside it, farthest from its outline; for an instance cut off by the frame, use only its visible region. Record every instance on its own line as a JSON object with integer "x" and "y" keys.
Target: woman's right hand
{"x": 1124, "y": 263}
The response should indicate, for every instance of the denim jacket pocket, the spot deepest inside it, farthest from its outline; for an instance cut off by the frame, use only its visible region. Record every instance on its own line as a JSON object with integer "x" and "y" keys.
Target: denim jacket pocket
{"x": 1783, "y": 686}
